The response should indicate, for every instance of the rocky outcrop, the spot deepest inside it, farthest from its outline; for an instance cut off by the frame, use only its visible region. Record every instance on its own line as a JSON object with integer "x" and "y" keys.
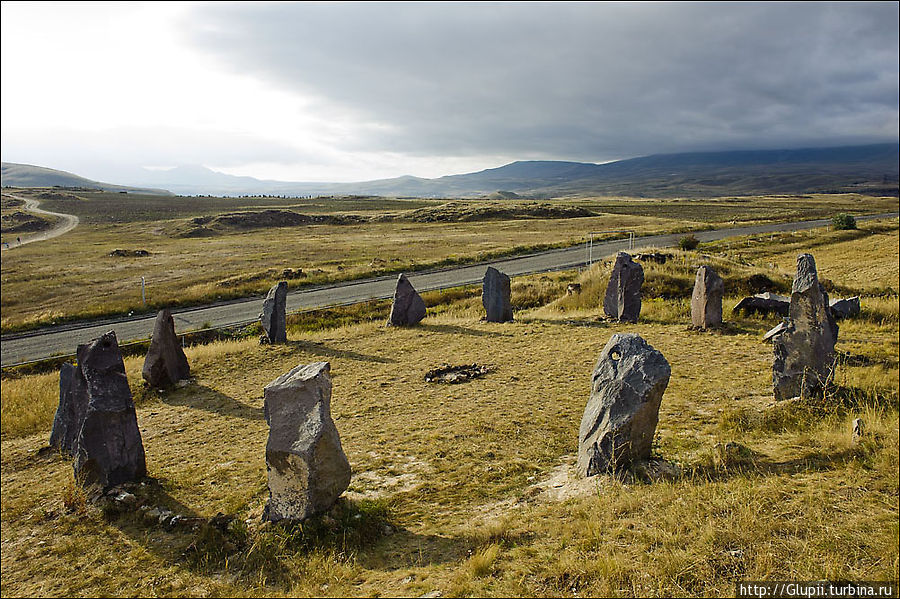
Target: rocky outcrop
{"x": 495, "y": 296}
{"x": 620, "y": 419}
{"x": 408, "y": 308}
{"x": 706, "y": 300}
{"x": 273, "y": 316}
{"x": 109, "y": 449}
{"x": 804, "y": 351}
{"x": 622, "y": 300}
{"x": 165, "y": 363}
{"x": 306, "y": 466}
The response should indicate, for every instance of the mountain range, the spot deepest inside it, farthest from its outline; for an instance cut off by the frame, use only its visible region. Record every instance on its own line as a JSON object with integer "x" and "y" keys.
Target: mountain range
{"x": 865, "y": 169}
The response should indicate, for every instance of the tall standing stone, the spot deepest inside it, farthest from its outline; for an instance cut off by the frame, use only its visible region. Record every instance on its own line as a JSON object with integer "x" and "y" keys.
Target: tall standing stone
{"x": 306, "y": 466}
{"x": 495, "y": 296}
{"x": 273, "y": 313}
{"x": 408, "y": 308}
{"x": 804, "y": 351}
{"x": 165, "y": 363}
{"x": 73, "y": 403}
{"x": 620, "y": 419}
{"x": 623, "y": 293}
{"x": 706, "y": 301}
{"x": 109, "y": 447}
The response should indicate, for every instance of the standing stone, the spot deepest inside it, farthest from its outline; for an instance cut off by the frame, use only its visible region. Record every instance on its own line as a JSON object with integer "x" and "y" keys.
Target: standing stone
{"x": 804, "y": 351}
{"x": 706, "y": 301}
{"x": 858, "y": 429}
{"x": 495, "y": 296}
{"x": 306, "y": 466}
{"x": 273, "y": 313}
{"x": 620, "y": 419}
{"x": 109, "y": 446}
{"x": 73, "y": 403}
{"x": 165, "y": 363}
{"x": 623, "y": 293}
{"x": 408, "y": 307}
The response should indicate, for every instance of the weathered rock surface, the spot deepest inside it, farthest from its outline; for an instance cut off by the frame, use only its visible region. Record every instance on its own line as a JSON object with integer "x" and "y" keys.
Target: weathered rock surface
{"x": 165, "y": 363}
{"x": 776, "y": 330}
{"x": 408, "y": 308}
{"x": 109, "y": 449}
{"x": 623, "y": 293}
{"x": 765, "y": 304}
{"x": 273, "y": 313}
{"x": 306, "y": 466}
{"x": 804, "y": 351}
{"x": 73, "y": 403}
{"x": 844, "y": 308}
{"x": 706, "y": 300}
{"x": 495, "y": 296}
{"x": 620, "y": 419}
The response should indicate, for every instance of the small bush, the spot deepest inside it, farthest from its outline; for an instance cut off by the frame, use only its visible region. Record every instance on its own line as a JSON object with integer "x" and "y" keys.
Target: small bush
{"x": 843, "y": 222}
{"x": 688, "y": 243}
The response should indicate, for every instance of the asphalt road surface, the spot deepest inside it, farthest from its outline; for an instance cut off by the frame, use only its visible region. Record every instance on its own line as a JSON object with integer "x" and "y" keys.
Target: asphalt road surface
{"x": 62, "y": 340}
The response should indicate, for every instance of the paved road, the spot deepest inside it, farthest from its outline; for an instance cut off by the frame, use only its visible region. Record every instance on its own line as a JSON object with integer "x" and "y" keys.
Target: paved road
{"x": 66, "y": 223}
{"x": 24, "y": 347}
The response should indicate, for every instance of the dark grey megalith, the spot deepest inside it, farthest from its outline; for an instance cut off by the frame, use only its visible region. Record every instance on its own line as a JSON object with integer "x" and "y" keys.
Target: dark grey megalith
{"x": 109, "y": 450}
{"x": 73, "y": 403}
{"x": 495, "y": 296}
{"x": 764, "y": 304}
{"x": 623, "y": 293}
{"x": 620, "y": 419}
{"x": 306, "y": 466}
{"x": 408, "y": 308}
{"x": 165, "y": 363}
{"x": 804, "y": 351}
{"x": 706, "y": 301}
{"x": 273, "y": 313}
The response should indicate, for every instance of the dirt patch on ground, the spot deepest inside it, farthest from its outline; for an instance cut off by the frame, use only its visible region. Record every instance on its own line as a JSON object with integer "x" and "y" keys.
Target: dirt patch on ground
{"x": 22, "y": 222}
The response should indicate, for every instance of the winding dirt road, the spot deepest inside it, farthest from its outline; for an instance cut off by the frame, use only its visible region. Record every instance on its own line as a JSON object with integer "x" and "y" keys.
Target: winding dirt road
{"x": 66, "y": 223}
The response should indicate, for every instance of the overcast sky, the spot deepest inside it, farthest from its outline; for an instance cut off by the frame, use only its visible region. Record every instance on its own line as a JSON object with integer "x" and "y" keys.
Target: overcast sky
{"x": 349, "y": 92}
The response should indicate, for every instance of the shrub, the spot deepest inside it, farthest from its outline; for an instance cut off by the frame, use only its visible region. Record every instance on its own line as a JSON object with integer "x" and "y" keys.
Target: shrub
{"x": 688, "y": 242}
{"x": 843, "y": 222}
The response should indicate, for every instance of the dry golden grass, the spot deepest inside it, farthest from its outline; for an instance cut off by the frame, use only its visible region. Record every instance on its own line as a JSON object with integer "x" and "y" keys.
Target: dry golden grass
{"x": 764, "y": 492}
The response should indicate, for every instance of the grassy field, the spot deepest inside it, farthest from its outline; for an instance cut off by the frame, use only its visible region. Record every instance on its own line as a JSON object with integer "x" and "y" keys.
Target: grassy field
{"x": 75, "y": 277}
{"x": 467, "y": 490}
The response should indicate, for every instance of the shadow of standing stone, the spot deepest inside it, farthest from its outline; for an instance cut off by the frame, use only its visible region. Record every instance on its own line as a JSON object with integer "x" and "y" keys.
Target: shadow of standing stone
{"x": 804, "y": 357}
{"x": 272, "y": 316}
{"x": 620, "y": 418}
{"x": 623, "y": 293}
{"x": 165, "y": 363}
{"x": 109, "y": 446}
{"x": 706, "y": 300}
{"x": 305, "y": 463}
{"x": 495, "y": 296}
{"x": 408, "y": 308}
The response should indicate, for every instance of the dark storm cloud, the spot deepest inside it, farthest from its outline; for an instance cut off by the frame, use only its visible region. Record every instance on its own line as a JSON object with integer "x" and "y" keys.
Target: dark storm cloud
{"x": 580, "y": 81}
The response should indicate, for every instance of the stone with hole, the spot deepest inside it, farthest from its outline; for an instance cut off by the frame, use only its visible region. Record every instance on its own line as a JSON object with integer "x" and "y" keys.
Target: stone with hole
{"x": 620, "y": 419}
{"x": 165, "y": 363}
{"x": 495, "y": 296}
{"x": 706, "y": 300}
{"x": 804, "y": 359}
{"x": 622, "y": 300}
{"x": 109, "y": 449}
{"x": 305, "y": 463}
{"x": 273, "y": 316}
{"x": 408, "y": 308}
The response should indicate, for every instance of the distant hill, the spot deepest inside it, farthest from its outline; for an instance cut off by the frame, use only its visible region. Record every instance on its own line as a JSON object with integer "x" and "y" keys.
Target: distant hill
{"x": 27, "y": 175}
{"x": 864, "y": 169}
